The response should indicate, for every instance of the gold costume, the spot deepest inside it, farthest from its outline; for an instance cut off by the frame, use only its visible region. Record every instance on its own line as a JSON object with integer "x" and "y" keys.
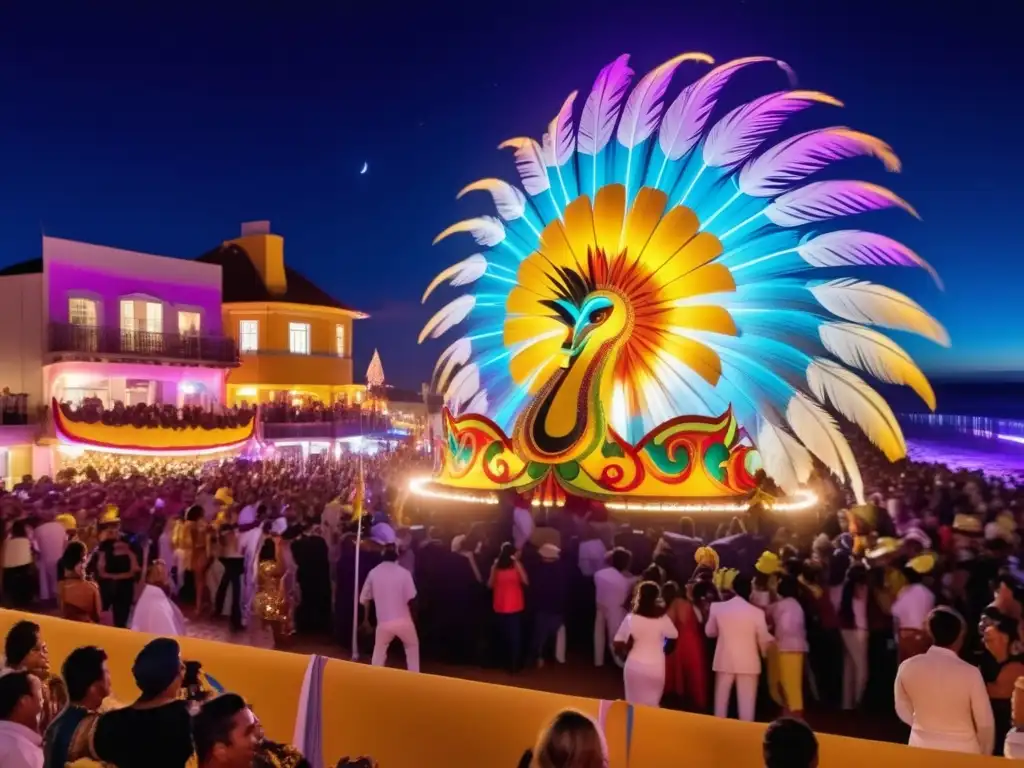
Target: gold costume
{"x": 270, "y": 603}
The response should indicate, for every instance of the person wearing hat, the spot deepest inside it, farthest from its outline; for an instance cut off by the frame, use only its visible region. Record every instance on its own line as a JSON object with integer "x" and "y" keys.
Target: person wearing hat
{"x": 911, "y": 608}
{"x": 549, "y": 590}
{"x": 156, "y": 730}
{"x": 50, "y": 539}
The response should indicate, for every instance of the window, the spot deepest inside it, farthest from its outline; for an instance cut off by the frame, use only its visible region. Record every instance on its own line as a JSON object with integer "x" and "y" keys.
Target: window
{"x": 82, "y": 312}
{"x": 298, "y": 338}
{"x": 188, "y": 323}
{"x": 339, "y": 337}
{"x": 248, "y": 335}
{"x": 139, "y": 319}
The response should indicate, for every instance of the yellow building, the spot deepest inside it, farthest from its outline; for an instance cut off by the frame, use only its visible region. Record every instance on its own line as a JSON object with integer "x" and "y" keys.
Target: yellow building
{"x": 294, "y": 340}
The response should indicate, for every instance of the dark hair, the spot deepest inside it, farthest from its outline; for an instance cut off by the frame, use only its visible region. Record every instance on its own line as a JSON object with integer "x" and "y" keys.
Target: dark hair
{"x": 622, "y": 558}
{"x": 572, "y": 739}
{"x": 669, "y": 592}
{"x": 687, "y": 527}
{"x": 742, "y": 586}
{"x": 14, "y": 686}
{"x": 1007, "y": 625}
{"x": 912, "y": 576}
{"x": 389, "y": 553}
{"x": 20, "y": 641}
{"x": 945, "y": 626}
{"x": 508, "y": 549}
{"x": 195, "y": 512}
{"x": 788, "y": 587}
{"x": 74, "y": 553}
{"x": 856, "y": 575}
{"x": 653, "y": 572}
{"x": 268, "y": 550}
{"x": 647, "y": 601}
{"x": 18, "y": 530}
{"x": 214, "y": 723}
{"x": 82, "y": 668}
{"x": 705, "y": 590}
{"x": 789, "y": 743}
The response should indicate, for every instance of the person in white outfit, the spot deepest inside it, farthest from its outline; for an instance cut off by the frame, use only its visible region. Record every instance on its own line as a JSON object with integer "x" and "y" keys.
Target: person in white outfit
{"x": 390, "y": 588}
{"x": 21, "y": 703}
{"x": 51, "y": 537}
{"x": 910, "y": 612}
{"x": 743, "y": 638}
{"x": 943, "y": 698}
{"x": 643, "y": 638}
{"x": 612, "y": 587}
{"x": 154, "y": 612}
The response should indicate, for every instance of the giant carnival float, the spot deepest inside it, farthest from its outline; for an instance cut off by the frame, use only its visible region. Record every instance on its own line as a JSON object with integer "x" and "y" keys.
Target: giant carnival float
{"x": 661, "y": 308}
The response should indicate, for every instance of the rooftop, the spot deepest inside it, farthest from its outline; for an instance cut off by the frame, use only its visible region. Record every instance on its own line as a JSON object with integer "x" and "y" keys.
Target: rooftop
{"x": 27, "y": 267}
{"x": 241, "y": 282}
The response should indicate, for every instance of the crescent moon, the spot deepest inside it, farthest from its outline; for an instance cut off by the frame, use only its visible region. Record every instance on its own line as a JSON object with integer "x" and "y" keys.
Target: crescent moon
{"x": 364, "y": 169}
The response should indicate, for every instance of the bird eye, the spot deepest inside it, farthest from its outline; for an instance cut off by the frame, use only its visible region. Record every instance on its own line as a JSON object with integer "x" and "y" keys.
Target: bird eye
{"x": 600, "y": 315}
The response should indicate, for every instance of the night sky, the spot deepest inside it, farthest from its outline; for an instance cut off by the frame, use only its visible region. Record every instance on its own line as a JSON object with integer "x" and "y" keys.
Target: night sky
{"x": 162, "y": 129}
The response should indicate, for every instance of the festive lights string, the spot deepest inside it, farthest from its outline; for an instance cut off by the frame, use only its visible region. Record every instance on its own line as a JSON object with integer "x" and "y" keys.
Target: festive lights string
{"x": 801, "y": 501}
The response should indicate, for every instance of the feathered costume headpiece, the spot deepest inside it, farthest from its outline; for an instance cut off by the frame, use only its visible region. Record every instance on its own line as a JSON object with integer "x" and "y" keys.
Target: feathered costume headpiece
{"x": 659, "y": 258}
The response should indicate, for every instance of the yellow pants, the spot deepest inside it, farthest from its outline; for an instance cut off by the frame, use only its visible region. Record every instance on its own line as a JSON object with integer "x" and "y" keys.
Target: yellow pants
{"x": 786, "y": 679}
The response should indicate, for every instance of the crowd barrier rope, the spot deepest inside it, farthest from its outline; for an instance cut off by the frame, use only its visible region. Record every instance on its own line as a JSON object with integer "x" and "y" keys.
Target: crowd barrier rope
{"x": 331, "y": 708}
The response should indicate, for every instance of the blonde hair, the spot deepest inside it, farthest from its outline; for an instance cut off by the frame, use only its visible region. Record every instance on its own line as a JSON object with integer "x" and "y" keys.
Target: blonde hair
{"x": 571, "y": 740}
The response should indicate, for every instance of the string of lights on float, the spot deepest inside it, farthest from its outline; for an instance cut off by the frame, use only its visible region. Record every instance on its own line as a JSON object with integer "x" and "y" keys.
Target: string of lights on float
{"x": 801, "y": 501}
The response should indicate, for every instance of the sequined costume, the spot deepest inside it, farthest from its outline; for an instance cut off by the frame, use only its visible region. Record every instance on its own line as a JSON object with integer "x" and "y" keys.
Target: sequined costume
{"x": 271, "y": 603}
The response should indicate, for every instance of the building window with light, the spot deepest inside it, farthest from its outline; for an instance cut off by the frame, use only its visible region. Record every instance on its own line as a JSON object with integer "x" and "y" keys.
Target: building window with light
{"x": 339, "y": 337}
{"x": 298, "y": 338}
{"x": 188, "y": 323}
{"x": 248, "y": 335}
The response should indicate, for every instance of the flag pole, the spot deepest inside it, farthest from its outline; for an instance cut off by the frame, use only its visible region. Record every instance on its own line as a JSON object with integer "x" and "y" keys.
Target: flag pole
{"x": 355, "y": 586}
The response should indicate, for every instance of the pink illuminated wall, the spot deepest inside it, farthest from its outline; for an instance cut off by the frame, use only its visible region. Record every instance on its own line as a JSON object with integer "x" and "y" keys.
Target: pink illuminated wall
{"x": 73, "y": 269}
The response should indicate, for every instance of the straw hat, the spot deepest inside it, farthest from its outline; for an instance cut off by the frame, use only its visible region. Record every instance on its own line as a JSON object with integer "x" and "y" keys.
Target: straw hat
{"x": 768, "y": 563}
{"x": 886, "y": 545}
{"x": 923, "y": 563}
{"x": 967, "y": 524}
{"x": 67, "y": 520}
{"x": 706, "y": 557}
{"x": 724, "y": 577}
{"x": 110, "y": 514}
{"x": 223, "y": 496}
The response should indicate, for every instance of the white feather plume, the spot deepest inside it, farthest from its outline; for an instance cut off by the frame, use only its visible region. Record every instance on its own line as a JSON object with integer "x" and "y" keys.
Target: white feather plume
{"x": 478, "y": 404}
{"x": 450, "y": 315}
{"x": 824, "y": 200}
{"x": 530, "y": 164}
{"x": 457, "y": 353}
{"x": 467, "y": 271}
{"x": 855, "y": 247}
{"x": 509, "y": 201}
{"x": 785, "y": 460}
{"x": 868, "y": 350}
{"x": 601, "y": 109}
{"x": 464, "y": 385}
{"x": 821, "y": 436}
{"x": 851, "y": 396}
{"x": 488, "y": 231}
{"x": 860, "y": 301}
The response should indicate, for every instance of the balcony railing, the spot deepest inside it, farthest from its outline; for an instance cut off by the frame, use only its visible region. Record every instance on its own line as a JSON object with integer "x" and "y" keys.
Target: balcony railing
{"x": 88, "y": 340}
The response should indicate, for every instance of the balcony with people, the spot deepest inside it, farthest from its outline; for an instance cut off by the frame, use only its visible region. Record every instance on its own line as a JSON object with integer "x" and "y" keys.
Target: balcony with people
{"x": 312, "y": 419}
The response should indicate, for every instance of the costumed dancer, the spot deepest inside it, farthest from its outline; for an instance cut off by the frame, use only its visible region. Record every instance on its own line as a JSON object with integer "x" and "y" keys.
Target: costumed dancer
{"x": 686, "y": 668}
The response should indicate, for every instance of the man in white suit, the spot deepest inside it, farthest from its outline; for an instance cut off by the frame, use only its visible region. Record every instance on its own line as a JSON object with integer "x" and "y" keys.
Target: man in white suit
{"x": 743, "y": 638}
{"x": 943, "y": 698}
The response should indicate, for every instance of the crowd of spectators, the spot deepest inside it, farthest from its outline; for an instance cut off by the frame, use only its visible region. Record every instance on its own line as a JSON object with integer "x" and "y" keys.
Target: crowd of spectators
{"x": 158, "y": 415}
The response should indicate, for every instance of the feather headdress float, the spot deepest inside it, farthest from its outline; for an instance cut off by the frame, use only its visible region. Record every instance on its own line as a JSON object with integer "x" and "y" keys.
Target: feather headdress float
{"x": 672, "y": 253}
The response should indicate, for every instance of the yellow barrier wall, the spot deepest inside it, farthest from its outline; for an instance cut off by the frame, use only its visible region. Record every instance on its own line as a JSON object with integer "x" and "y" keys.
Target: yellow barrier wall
{"x": 270, "y": 680}
{"x": 404, "y": 719}
{"x": 408, "y": 721}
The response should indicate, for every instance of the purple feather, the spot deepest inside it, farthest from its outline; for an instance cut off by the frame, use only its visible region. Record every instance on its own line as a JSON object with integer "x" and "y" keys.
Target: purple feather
{"x": 601, "y": 111}
{"x": 559, "y": 152}
{"x": 793, "y": 160}
{"x": 643, "y": 107}
{"x": 854, "y": 247}
{"x": 686, "y": 117}
{"x": 739, "y": 133}
{"x": 825, "y": 200}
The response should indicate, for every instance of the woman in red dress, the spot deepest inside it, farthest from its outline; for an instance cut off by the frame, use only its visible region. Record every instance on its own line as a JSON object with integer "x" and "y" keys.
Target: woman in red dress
{"x": 686, "y": 671}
